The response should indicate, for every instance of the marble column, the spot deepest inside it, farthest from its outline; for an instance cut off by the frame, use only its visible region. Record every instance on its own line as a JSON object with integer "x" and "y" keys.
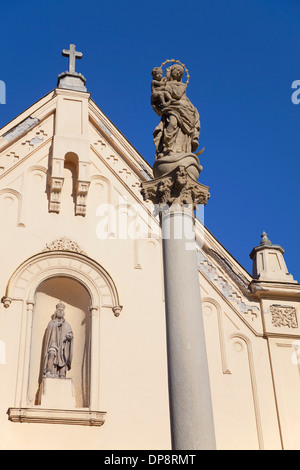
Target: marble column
{"x": 175, "y": 196}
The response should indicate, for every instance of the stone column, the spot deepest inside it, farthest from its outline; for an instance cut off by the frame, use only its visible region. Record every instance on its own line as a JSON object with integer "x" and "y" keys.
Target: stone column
{"x": 175, "y": 196}
{"x": 95, "y": 354}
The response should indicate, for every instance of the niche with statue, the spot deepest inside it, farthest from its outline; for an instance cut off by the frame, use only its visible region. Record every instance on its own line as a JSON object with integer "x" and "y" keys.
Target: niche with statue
{"x": 60, "y": 345}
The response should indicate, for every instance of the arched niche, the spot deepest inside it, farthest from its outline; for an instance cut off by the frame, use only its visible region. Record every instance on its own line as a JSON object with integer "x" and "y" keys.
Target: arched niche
{"x": 100, "y": 199}
{"x": 24, "y": 281}
{"x": 11, "y": 202}
{"x": 32, "y": 292}
{"x": 77, "y": 301}
{"x": 68, "y": 193}
{"x": 35, "y": 188}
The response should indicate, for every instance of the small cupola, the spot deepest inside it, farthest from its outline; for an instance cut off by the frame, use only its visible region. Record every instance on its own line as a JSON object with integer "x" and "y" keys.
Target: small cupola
{"x": 268, "y": 262}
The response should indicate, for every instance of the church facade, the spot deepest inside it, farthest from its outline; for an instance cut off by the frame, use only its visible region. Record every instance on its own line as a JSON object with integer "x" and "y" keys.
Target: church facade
{"x": 78, "y": 238}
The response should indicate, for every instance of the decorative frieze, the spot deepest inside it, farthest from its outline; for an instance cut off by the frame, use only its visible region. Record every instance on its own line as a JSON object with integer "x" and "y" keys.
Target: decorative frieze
{"x": 37, "y": 139}
{"x": 229, "y": 292}
{"x": 283, "y": 316}
{"x": 238, "y": 277}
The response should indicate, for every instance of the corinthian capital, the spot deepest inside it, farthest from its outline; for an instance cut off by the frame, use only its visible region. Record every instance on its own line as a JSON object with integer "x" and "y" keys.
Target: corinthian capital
{"x": 175, "y": 188}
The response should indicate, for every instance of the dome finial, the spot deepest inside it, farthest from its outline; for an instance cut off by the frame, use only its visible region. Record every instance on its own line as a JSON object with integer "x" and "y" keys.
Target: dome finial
{"x": 264, "y": 239}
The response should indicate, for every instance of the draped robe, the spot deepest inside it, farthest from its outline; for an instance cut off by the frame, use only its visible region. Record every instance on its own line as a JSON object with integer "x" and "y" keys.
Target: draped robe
{"x": 183, "y": 137}
{"x": 56, "y": 342}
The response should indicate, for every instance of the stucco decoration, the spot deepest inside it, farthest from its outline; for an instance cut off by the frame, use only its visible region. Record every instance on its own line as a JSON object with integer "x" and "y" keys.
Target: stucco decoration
{"x": 284, "y": 316}
{"x": 176, "y": 136}
{"x": 64, "y": 244}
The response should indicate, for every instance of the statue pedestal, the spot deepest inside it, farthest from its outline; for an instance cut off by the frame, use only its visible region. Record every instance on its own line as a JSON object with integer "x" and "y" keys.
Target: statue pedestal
{"x": 58, "y": 393}
{"x": 167, "y": 164}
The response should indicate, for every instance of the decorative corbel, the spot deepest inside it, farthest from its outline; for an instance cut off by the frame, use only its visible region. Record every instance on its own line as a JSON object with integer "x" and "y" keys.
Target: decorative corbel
{"x": 6, "y": 301}
{"x": 82, "y": 188}
{"x": 56, "y": 184}
{"x": 117, "y": 309}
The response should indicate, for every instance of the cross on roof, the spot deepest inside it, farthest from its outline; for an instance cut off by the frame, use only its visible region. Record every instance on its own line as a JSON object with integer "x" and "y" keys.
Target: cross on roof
{"x": 72, "y": 54}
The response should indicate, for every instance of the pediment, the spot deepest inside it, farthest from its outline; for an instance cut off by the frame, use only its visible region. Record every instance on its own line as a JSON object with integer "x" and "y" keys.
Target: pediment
{"x": 26, "y": 147}
{"x": 28, "y": 140}
{"x": 30, "y": 132}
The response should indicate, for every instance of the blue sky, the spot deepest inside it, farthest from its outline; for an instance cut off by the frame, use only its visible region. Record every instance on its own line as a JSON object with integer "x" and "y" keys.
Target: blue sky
{"x": 242, "y": 56}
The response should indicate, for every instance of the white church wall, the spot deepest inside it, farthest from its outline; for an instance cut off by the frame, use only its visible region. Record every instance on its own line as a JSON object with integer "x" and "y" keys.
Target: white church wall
{"x": 254, "y": 384}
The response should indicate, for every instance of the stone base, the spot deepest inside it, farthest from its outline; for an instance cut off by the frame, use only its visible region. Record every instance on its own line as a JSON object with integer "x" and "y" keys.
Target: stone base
{"x": 71, "y": 81}
{"x": 58, "y": 394}
{"x": 169, "y": 163}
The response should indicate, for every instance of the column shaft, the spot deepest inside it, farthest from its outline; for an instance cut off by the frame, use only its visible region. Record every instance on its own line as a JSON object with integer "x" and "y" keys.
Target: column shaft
{"x": 192, "y": 425}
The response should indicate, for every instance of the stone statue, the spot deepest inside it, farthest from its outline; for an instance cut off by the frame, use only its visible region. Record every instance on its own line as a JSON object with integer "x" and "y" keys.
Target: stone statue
{"x": 58, "y": 345}
{"x": 160, "y": 95}
{"x": 176, "y": 136}
{"x": 176, "y": 168}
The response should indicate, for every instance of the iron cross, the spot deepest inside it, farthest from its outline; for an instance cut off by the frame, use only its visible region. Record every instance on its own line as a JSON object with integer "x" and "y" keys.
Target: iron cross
{"x": 72, "y": 54}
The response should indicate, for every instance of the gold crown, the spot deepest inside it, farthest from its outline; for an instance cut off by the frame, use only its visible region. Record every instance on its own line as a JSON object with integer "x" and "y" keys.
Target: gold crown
{"x": 178, "y": 62}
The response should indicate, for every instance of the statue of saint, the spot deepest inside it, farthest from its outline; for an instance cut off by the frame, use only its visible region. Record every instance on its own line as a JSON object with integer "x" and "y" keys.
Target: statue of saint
{"x": 58, "y": 345}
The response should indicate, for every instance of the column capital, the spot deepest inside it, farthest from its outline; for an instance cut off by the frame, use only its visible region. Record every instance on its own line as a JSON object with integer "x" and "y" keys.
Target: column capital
{"x": 94, "y": 310}
{"x": 175, "y": 189}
